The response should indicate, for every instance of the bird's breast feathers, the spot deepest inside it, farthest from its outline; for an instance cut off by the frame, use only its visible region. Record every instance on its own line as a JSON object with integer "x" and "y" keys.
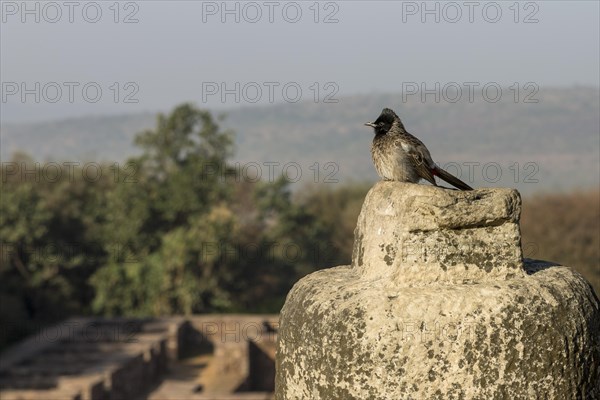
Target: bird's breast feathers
{"x": 392, "y": 161}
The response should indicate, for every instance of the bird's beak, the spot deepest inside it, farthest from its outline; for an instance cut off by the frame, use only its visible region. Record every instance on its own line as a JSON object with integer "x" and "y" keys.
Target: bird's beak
{"x": 371, "y": 124}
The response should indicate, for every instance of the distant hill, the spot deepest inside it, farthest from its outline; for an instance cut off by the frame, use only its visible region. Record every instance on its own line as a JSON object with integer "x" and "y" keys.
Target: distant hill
{"x": 555, "y": 141}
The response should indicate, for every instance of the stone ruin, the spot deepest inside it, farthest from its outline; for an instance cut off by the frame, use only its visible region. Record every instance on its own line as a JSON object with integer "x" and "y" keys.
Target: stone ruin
{"x": 439, "y": 304}
{"x": 201, "y": 357}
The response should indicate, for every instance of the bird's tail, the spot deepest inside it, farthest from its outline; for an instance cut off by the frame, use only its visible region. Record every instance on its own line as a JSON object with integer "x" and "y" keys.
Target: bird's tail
{"x": 451, "y": 179}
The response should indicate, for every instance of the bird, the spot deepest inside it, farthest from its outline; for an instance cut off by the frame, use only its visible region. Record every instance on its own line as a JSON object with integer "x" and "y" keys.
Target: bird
{"x": 400, "y": 156}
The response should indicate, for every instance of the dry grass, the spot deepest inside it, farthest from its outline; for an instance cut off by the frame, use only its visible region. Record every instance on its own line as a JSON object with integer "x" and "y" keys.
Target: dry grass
{"x": 564, "y": 228}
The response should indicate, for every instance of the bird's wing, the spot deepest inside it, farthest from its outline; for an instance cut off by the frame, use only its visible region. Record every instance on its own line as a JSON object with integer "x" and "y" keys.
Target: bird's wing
{"x": 419, "y": 159}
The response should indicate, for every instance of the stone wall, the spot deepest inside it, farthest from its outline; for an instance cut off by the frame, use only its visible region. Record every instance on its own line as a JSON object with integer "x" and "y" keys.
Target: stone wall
{"x": 87, "y": 359}
{"x": 203, "y": 357}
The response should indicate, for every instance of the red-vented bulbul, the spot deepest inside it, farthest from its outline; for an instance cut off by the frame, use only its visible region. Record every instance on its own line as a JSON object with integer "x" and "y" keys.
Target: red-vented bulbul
{"x": 399, "y": 156}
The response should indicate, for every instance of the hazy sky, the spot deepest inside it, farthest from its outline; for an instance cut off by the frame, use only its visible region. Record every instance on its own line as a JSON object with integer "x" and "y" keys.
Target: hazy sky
{"x": 174, "y": 51}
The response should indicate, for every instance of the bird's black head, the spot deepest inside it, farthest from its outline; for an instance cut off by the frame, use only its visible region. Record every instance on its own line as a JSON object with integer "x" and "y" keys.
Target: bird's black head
{"x": 384, "y": 122}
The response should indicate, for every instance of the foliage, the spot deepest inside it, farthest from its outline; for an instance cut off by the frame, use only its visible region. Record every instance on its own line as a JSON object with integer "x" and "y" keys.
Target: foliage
{"x": 177, "y": 230}
{"x": 51, "y": 243}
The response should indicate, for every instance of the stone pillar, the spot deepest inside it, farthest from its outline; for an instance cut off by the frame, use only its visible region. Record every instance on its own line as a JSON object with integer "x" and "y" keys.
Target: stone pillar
{"x": 439, "y": 304}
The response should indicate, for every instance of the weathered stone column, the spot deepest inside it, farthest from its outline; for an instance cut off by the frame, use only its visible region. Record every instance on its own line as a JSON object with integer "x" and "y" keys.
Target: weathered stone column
{"x": 439, "y": 304}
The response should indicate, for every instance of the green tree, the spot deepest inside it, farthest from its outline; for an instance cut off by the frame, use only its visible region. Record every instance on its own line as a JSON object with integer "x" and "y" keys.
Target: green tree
{"x": 172, "y": 205}
{"x": 50, "y": 242}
